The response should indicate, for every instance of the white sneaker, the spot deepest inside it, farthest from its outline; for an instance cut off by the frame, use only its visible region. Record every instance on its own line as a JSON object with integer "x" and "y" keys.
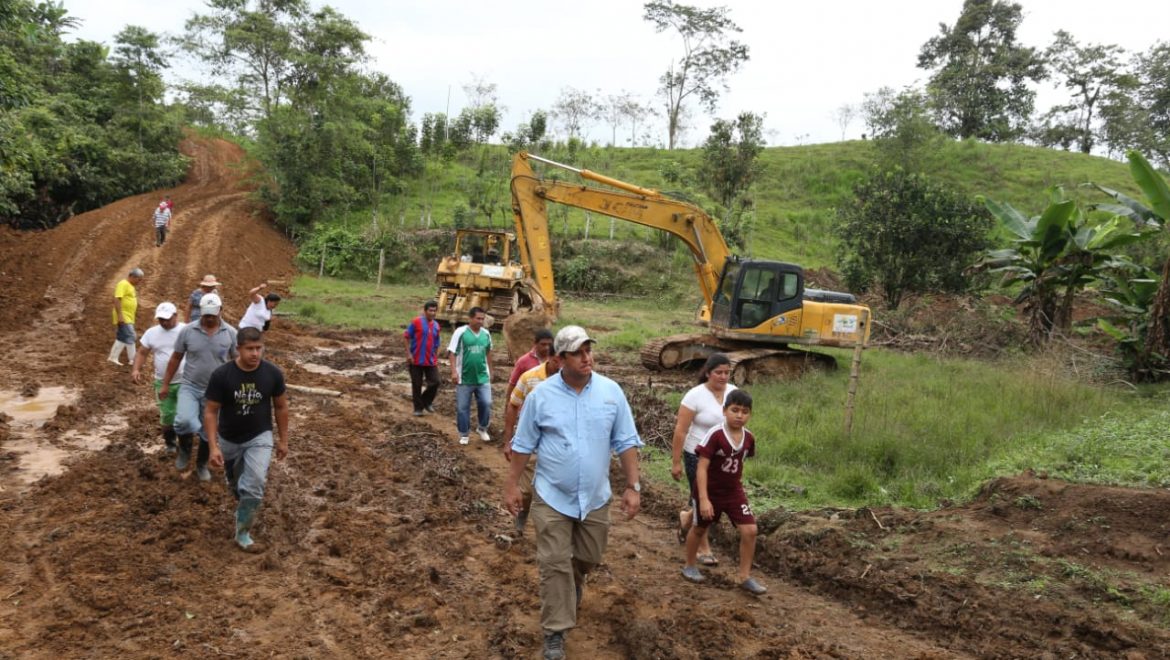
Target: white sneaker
{"x": 483, "y": 435}
{"x": 463, "y": 440}
{"x": 113, "y": 361}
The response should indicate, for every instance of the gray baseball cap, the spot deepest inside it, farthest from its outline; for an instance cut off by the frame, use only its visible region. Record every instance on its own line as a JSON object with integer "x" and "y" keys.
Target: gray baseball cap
{"x": 570, "y": 338}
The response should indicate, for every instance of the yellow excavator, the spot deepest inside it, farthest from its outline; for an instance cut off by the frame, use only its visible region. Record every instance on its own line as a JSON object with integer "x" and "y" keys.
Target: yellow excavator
{"x": 757, "y": 312}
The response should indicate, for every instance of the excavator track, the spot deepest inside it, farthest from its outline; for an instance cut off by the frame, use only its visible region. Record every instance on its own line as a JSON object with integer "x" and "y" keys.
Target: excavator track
{"x": 748, "y": 364}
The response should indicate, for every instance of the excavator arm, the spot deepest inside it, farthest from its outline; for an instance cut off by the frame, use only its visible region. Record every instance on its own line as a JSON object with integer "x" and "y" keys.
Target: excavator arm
{"x": 643, "y": 206}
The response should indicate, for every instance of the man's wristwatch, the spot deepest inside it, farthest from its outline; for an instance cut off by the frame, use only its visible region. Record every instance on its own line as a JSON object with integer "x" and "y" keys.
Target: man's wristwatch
{"x": 636, "y": 487}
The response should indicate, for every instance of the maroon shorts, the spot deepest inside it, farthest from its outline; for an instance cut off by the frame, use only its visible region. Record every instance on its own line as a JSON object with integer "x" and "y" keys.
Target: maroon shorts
{"x": 735, "y": 505}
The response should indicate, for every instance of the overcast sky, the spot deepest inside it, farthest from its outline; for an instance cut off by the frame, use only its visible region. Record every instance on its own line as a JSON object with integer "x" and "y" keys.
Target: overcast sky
{"x": 807, "y": 58}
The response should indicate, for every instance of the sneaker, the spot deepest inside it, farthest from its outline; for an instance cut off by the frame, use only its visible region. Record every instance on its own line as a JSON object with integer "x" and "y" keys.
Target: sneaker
{"x": 483, "y": 435}
{"x": 430, "y": 409}
{"x": 463, "y": 440}
{"x": 113, "y": 361}
{"x": 693, "y": 574}
{"x": 752, "y": 587}
{"x": 203, "y": 472}
{"x": 554, "y": 645}
{"x": 419, "y": 413}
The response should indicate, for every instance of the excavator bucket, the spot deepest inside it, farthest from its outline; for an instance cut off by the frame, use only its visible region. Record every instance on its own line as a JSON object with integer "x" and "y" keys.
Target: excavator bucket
{"x": 520, "y": 330}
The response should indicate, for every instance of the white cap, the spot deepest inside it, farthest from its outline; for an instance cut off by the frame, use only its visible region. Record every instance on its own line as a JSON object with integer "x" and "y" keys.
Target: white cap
{"x": 210, "y": 304}
{"x": 165, "y": 310}
{"x": 570, "y": 338}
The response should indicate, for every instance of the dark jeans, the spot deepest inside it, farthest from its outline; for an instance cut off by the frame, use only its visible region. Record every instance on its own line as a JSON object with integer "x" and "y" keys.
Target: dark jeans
{"x": 160, "y": 235}
{"x": 423, "y": 397}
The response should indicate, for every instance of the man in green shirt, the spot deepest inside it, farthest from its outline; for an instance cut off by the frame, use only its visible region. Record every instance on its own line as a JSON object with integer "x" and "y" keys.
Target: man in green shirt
{"x": 471, "y": 358}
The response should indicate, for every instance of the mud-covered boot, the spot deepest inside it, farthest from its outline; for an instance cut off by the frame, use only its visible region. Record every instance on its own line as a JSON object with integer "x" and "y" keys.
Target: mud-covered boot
{"x": 183, "y": 452}
{"x": 201, "y": 459}
{"x": 246, "y": 512}
{"x": 170, "y": 440}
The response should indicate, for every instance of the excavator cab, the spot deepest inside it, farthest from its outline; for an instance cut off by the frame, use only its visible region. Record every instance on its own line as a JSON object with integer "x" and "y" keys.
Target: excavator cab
{"x": 751, "y": 293}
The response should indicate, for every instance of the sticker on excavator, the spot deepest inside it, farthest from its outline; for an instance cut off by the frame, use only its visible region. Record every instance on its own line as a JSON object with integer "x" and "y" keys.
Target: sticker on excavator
{"x": 844, "y": 323}
{"x": 492, "y": 271}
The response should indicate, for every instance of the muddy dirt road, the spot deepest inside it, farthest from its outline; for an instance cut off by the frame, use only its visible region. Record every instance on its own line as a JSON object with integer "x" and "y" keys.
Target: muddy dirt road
{"x": 386, "y": 538}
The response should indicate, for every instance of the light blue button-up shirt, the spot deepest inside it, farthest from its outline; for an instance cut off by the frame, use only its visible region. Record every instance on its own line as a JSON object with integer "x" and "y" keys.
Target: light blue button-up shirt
{"x": 574, "y": 435}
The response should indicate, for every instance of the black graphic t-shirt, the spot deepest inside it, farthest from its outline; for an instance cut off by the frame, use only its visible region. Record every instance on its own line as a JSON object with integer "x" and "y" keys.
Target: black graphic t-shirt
{"x": 245, "y": 399}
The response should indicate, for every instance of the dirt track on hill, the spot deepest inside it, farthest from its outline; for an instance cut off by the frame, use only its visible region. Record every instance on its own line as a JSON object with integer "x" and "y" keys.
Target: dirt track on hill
{"x": 386, "y": 538}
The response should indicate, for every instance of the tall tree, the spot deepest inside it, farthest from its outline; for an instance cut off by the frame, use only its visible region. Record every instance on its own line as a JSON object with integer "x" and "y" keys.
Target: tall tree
{"x": 844, "y": 115}
{"x": 1138, "y": 118}
{"x": 979, "y": 83}
{"x": 902, "y": 129}
{"x": 730, "y": 157}
{"x": 252, "y": 41}
{"x": 574, "y": 110}
{"x": 709, "y": 57}
{"x": 1091, "y": 73}
{"x": 140, "y": 61}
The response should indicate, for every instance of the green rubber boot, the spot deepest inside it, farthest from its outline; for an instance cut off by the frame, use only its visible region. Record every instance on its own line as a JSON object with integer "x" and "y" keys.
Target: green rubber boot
{"x": 246, "y": 512}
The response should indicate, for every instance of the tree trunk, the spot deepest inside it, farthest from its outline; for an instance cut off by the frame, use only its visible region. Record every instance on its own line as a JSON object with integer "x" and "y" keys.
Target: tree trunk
{"x": 1158, "y": 337}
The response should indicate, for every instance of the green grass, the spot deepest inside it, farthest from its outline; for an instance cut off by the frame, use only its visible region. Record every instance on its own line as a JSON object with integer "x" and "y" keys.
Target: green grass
{"x": 796, "y": 195}
{"x": 925, "y": 429}
{"x": 351, "y": 304}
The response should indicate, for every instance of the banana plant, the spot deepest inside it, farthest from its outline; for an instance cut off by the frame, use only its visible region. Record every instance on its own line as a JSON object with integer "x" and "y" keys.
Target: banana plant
{"x": 1157, "y": 193}
{"x": 1055, "y": 255}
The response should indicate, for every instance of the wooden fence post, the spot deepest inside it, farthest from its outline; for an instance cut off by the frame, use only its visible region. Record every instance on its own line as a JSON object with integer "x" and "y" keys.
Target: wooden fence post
{"x": 381, "y": 265}
{"x": 855, "y": 372}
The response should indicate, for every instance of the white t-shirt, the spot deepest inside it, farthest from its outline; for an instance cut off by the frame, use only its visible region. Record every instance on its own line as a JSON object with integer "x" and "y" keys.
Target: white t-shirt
{"x": 708, "y": 413}
{"x": 161, "y": 343}
{"x": 256, "y": 316}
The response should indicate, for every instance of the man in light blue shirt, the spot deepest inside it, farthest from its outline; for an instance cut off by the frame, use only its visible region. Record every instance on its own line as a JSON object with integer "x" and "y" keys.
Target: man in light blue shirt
{"x": 574, "y": 420}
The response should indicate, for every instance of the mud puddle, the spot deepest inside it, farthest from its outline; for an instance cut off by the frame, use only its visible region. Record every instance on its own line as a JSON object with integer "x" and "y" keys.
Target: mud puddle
{"x": 35, "y": 447}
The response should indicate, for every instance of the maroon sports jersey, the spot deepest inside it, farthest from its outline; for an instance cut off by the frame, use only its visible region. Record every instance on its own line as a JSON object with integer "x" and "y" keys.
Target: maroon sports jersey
{"x": 724, "y": 475}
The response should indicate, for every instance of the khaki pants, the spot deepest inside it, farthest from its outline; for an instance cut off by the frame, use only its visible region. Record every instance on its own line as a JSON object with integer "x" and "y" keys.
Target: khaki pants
{"x": 566, "y": 550}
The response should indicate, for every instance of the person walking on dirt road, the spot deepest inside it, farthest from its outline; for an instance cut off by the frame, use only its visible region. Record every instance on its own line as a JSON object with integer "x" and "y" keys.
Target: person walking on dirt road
{"x": 574, "y": 419}
{"x": 700, "y": 411}
{"x": 422, "y": 346}
{"x": 525, "y": 384}
{"x": 162, "y": 223}
{"x": 205, "y": 345}
{"x": 125, "y": 309}
{"x": 207, "y": 285}
{"x": 471, "y": 360}
{"x": 719, "y": 489}
{"x": 159, "y": 342}
{"x": 541, "y": 347}
{"x": 241, "y": 398}
{"x": 259, "y": 312}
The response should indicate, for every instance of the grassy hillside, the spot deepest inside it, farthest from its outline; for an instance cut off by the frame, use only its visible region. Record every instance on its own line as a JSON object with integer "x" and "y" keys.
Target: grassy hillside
{"x": 796, "y": 196}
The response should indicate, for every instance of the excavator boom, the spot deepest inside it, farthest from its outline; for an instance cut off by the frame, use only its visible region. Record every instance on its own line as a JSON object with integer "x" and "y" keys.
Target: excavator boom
{"x": 643, "y": 206}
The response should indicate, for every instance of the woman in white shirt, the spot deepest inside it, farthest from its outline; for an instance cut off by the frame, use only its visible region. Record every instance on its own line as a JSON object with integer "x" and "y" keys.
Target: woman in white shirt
{"x": 700, "y": 411}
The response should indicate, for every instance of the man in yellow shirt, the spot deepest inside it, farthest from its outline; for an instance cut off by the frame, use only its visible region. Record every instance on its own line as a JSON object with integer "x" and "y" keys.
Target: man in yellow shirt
{"x": 125, "y": 308}
{"x": 525, "y": 384}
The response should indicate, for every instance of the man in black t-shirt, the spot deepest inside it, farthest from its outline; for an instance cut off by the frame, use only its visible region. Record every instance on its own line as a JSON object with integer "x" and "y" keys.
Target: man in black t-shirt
{"x": 241, "y": 397}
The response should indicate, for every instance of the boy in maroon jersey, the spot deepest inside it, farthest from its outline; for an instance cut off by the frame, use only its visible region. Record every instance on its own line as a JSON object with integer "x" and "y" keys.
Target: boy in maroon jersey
{"x": 719, "y": 489}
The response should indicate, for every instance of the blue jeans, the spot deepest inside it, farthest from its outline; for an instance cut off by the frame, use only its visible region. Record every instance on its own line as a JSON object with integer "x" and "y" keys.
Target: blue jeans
{"x": 189, "y": 412}
{"x": 245, "y": 465}
{"x": 483, "y": 406}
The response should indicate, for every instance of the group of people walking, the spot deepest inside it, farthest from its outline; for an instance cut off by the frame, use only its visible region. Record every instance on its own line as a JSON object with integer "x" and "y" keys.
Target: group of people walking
{"x": 562, "y": 423}
{"x": 217, "y": 397}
